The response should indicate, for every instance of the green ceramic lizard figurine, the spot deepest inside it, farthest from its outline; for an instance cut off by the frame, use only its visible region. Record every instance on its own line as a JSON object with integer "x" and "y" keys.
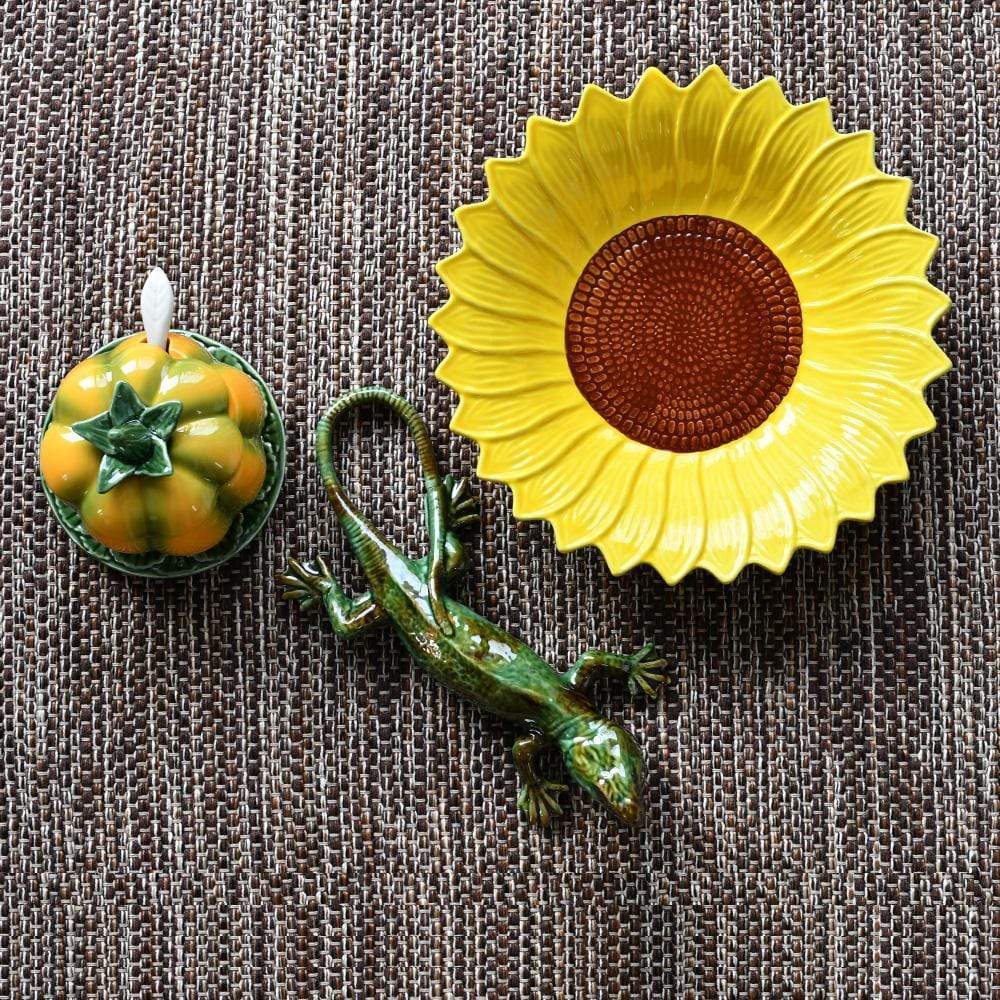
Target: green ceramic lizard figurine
{"x": 472, "y": 656}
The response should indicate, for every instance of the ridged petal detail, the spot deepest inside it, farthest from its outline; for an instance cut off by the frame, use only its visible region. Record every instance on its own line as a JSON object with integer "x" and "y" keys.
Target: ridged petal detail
{"x": 682, "y": 541}
{"x": 551, "y": 490}
{"x": 751, "y": 119}
{"x": 772, "y": 525}
{"x": 485, "y": 374}
{"x": 522, "y": 196}
{"x": 584, "y": 520}
{"x": 483, "y": 284}
{"x": 789, "y": 144}
{"x": 513, "y": 249}
{"x": 557, "y": 161}
{"x": 465, "y": 325}
{"x": 536, "y": 449}
{"x": 893, "y": 251}
{"x": 495, "y": 418}
{"x": 629, "y": 539}
{"x": 902, "y": 301}
{"x": 727, "y": 533}
{"x": 601, "y": 130}
{"x": 859, "y": 207}
{"x": 706, "y": 103}
{"x": 652, "y": 132}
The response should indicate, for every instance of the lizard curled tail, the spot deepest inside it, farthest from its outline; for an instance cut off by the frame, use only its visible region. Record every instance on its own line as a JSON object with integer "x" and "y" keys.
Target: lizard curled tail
{"x": 434, "y": 492}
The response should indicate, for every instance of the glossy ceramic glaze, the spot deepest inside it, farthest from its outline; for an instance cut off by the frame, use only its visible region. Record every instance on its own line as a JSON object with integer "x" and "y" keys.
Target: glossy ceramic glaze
{"x": 684, "y": 332}
{"x": 692, "y": 327}
{"x": 162, "y": 463}
{"x": 474, "y": 657}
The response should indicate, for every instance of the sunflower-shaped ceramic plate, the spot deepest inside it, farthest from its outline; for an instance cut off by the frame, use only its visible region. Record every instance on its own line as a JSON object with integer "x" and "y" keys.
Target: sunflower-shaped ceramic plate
{"x": 692, "y": 327}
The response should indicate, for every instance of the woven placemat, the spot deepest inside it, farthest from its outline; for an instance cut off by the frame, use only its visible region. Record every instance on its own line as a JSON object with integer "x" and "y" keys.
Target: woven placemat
{"x": 205, "y": 794}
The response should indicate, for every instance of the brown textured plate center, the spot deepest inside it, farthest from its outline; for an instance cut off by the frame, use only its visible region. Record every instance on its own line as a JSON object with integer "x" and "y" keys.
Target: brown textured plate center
{"x": 684, "y": 332}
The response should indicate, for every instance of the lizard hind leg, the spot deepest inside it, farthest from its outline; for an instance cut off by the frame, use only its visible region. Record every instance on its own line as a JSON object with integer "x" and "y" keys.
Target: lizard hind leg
{"x": 462, "y": 512}
{"x": 462, "y": 506}
{"x": 312, "y": 584}
{"x": 537, "y": 799}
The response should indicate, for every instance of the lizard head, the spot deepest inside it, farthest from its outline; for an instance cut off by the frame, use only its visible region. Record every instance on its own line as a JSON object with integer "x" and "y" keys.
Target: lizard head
{"x": 606, "y": 762}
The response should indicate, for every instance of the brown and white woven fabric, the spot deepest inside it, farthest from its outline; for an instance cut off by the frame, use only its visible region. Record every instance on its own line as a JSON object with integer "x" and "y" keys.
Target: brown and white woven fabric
{"x": 203, "y": 793}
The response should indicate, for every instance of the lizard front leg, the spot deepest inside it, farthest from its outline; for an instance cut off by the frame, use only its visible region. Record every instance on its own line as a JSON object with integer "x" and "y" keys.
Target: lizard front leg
{"x": 537, "y": 798}
{"x": 309, "y": 585}
{"x": 643, "y": 670}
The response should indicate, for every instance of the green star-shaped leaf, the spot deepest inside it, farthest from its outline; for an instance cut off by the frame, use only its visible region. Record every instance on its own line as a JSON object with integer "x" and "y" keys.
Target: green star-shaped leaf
{"x": 95, "y": 430}
{"x": 161, "y": 419}
{"x": 131, "y": 436}
{"x": 125, "y": 404}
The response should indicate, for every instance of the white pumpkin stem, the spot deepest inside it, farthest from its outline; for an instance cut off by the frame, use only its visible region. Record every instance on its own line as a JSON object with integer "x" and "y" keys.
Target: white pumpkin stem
{"x": 157, "y": 307}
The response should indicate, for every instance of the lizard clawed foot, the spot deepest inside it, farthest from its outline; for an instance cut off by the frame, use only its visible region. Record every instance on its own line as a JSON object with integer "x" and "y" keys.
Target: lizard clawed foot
{"x": 539, "y": 800}
{"x": 305, "y": 582}
{"x": 645, "y": 671}
{"x": 463, "y": 507}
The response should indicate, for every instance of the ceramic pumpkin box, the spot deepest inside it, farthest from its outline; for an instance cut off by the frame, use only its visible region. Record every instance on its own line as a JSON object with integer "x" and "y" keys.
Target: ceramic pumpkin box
{"x": 162, "y": 453}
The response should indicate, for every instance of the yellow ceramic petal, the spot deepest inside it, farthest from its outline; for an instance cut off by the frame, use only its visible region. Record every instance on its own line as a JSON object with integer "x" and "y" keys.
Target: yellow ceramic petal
{"x": 813, "y": 506}
{"x": 494, "y": 418}
{"x": 601, "y": 128}
{"x": 557, "y": 161}
{"x": 788, "y": 146}
{"x": 894, "y": 250}
{"x": 683, "y": 539}
{"x": 529, "y": 452}
{"x": 727, "y": 532}
{"x": 704, "y": 391}
{"x": 553, "y": 487}
{"x": 870, "y": 454}
{"x": 825, "y": 173}
{"x": 590, "y": 515}
{"x": 462, "y": 324}
{"x": 508, "y": 247}
{"x": 749, "y": 122}
{"x": 772, "y": 528}
{"x": 479, "y": 282}
{"x": 500, "y": 374}
{"x": 862, "y": 206}
{"x": 902, "y": 301}
{"x": 652, "y": 130}
{"x": 849, "y": 483}
{"x": 906, "y": 356}
{"x": 630, "y": 537}
{"x": 707, "y": 102}
{"x": 891, "y": 408}
{"x": 522, "y": 196}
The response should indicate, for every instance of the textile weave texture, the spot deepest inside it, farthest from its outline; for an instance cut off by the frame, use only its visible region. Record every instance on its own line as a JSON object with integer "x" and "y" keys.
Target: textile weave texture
{"x": 204, "y": 793}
